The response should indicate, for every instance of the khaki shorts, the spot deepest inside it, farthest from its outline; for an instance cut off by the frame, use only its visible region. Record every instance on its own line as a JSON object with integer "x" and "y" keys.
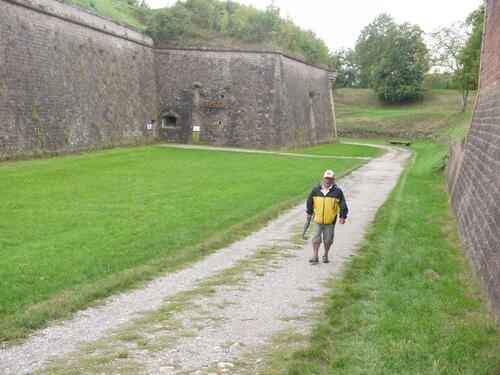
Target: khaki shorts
{"x": 327, "y": 230}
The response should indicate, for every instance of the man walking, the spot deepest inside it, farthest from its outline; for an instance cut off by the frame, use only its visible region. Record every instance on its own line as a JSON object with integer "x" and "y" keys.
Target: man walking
{"x": 326, "y": 202}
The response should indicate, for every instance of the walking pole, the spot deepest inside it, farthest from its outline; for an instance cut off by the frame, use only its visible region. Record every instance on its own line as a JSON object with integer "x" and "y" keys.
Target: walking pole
{"x": 306, "y": 225}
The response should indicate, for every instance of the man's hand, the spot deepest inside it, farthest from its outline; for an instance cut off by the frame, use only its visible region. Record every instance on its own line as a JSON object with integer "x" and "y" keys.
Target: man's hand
{"x": 341, "y": 221}
{"x": 309, "y": 217}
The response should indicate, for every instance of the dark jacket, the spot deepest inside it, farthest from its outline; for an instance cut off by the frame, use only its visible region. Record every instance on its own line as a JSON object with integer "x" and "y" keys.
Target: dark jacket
{"x": 327, "y": 208}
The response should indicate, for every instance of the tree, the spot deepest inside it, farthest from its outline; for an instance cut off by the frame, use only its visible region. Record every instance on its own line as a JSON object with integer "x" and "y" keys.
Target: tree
{"x": 229, "y": 24}
{"x": 343, "y": 62}
{"x": 457, "y": 50}
{"x": 446, "y": 44}
{"x": 403, "y": 61}
{"x": 136, "y": 3}
{"x": 470, "y": 55}
{"x": 392, "y": 59}
{"x": 369, "y": 47}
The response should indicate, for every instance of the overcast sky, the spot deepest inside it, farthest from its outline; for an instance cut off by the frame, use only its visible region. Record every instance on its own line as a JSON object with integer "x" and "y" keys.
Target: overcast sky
{"x": 339, "y": 22}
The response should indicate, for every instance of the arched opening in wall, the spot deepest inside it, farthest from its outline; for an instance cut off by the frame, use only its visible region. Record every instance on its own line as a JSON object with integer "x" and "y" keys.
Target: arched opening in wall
{"x": 170, "y": 126}
{"x": 169, "y": 120}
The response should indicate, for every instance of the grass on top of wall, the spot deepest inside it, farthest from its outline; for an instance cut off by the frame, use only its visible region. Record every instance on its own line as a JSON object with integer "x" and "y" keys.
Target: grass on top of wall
{"x": 115, "y": 10}
{"x": 408, "y": 302}
{"x": 76, "y": 229}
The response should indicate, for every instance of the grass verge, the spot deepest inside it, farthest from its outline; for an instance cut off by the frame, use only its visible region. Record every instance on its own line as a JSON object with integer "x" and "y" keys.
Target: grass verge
{"x": 437, "y": 117}
{"x": 408, "y": 303}
{"x": 341, "y": 149}
{"x": 77, "y": 229}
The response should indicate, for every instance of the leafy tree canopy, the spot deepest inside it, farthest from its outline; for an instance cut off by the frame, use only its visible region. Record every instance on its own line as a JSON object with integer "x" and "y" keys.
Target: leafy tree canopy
{"x": 343, "y": 62}
{"x": 392, "y": 59}
{"x": 229, "y": 24}
{"x": 370, "y": 45}
{"x": 457, "y": 49}
{"x": 215, "y": 23}
{"x": 470, "y": 55}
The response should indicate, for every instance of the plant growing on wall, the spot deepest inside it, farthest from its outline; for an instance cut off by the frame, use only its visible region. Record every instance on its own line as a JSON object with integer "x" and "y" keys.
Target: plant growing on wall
{"x": 229, "y": 24}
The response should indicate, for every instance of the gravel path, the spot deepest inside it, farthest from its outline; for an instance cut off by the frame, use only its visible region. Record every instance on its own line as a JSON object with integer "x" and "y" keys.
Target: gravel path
{"x": 236, "y": 318}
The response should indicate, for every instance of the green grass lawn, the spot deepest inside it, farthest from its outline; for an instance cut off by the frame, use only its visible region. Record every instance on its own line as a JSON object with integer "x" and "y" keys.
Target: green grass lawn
{"x": 437, "y": 117}
{"x": 340, "y": 149}
{"x": 76, "y": 229}
{"x": 408, "y": 302}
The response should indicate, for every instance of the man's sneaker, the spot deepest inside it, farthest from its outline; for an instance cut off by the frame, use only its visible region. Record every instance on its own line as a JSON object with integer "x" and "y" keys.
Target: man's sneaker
{"x": 314, "y": 260}
{"x": 325, "y": 259}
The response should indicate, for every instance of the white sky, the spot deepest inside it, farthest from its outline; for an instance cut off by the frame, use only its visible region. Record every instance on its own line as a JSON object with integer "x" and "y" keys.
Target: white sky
{"x": 339, "y": 22}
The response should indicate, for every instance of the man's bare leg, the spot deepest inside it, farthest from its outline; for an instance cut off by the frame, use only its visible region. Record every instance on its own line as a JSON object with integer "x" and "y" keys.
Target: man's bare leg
{"x": 327, "y": 249}
{"x": 316, "y": 249}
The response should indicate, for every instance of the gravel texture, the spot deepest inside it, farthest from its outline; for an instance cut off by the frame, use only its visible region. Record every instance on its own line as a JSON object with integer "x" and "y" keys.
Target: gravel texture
{"x": 237, "y": 318}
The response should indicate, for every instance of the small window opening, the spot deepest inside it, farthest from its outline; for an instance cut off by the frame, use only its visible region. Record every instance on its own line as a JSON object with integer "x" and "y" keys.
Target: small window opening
{"x": 222, "y": 96}
{"x": 168, "y": 121}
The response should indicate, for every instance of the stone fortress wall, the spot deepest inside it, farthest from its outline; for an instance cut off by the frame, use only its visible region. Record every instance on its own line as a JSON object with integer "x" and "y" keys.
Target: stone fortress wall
{"x": 242, "y": 98}
{"x": 307, "y": 109}
{"x": 473, "y": 168}
{"x": 71, "y": 80}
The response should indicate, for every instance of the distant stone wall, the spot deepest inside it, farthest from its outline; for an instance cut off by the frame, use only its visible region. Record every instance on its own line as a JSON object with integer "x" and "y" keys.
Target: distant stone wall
{"x": 71, "y": 80}
{"x": 473, "y": 168}
{"x": 242, "y": 98}
{"x": 307, "y": 113}
{"x": 230, "y": 96}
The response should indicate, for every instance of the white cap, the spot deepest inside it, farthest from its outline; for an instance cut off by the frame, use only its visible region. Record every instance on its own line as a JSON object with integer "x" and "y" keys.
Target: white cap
{"x": 329, "y": 174}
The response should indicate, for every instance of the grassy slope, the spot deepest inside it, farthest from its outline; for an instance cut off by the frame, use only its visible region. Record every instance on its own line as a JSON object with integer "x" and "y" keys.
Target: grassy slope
{"x": 408, "y": 303}
{"x": 78, "y": 228}
{"x": 136, "y": 17}
{"x": 114, "y": 10}
{"x": 437, "y": 117}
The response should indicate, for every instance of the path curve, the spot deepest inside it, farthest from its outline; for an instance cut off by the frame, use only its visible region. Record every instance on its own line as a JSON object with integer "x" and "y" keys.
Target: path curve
{"x": 252, "y": 314}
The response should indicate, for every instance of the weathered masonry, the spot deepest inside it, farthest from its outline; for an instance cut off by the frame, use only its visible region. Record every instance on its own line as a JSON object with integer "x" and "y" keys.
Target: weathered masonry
{"x": 241, "y": 98}
{"x": 473, "y": 168}
{"x": 71, "y": 80}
